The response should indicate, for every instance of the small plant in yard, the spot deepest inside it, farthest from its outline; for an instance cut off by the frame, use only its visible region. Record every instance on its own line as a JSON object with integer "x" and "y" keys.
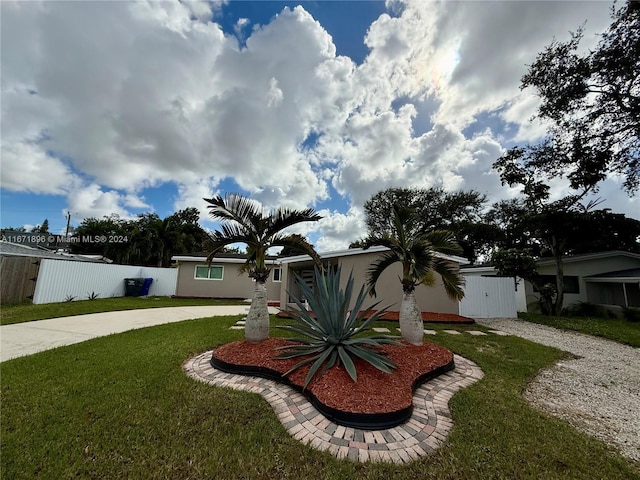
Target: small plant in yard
{"x": 93, "y": 296}
{"x": 69, "y": 298}
{"x": 330, "y": 328}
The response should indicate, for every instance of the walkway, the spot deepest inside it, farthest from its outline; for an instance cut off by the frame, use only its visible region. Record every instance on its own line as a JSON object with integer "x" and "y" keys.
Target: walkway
{"x": 597, "y": 391}
{"x": 26, "y": 338}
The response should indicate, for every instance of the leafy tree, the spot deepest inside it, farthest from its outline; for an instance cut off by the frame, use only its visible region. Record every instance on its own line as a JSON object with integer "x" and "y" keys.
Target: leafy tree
{"x": 515, "y": 263}
{"x": 96, "y": 233}
{"x": 602, "y": 230}
{"x": 42, "y": 228}
{"x": 148, "y": 240}
{"x": 594, "y": 101}
{"x": 13, "y": 229}
{"x": 459, "y": 212}
{"x": 508, "y": 219}
{"x": 243, "y": 221}
{"x": 551, "y": 223}
{"x": 416, "y": 250}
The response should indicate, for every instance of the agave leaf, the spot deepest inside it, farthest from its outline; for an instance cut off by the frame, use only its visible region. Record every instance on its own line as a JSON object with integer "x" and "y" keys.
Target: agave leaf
{"x": 373, "y": 341}
{"x": 303, "y": 330}
{"x": 379, "y": 361}
{"x": 314, "y": 368}
{"x": 302, "y": 363}
{"x": 329, "y": 332}
{"x": 300, "y": 353}
{"x": 348, "y": 363}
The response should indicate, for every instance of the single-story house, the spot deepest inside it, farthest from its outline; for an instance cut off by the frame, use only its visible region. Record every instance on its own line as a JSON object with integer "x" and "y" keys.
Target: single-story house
{"x": 610, "y": 279}
{"x": 221, "y": 280}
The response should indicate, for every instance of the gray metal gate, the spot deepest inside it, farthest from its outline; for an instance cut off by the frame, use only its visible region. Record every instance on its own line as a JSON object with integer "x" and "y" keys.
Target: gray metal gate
{"x": 489, "y": 297}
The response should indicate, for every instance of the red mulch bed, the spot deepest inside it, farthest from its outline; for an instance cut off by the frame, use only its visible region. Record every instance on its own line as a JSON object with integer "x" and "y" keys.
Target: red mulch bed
{"x": 375, "y": 391}
{"x": 429, "y": 317}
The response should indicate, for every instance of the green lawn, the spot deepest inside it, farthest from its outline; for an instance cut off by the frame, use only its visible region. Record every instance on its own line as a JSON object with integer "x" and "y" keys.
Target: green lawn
{"x": 121, "y": 407}
{"x": 27, "y": 312}
{"x": 620, "y": 330}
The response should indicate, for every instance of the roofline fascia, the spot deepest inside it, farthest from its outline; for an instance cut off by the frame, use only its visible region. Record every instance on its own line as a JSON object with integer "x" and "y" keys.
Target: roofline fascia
{"x": 359, "y": 251}
{"x": 612, "y": 280}
{"x": 187, "y": 258}
{"x": 589, "y": 256}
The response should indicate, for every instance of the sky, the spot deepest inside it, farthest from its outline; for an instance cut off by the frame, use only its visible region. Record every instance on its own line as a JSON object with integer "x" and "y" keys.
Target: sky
{"x": 119, "y": 107}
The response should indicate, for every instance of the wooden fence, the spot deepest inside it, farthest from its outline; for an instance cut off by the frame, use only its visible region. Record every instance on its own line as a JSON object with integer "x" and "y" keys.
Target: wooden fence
{"x": 18, "y": 277}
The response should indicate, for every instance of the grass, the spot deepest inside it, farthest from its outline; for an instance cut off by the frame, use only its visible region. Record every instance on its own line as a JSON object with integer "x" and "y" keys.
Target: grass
{"x": 28, "y": 312}
{"x": 616, "y": 329}
{"x": 121, "y": 407}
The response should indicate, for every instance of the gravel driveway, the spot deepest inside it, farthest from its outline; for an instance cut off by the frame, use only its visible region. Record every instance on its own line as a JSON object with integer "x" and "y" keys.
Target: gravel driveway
{"x": 598, "y": 392}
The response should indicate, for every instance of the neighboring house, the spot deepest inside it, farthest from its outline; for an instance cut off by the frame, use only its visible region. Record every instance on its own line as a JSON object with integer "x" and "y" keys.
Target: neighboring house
{"x": 19, "y": 267}
{"x": 605, "y": 278}
{"x": 221, "y": 279}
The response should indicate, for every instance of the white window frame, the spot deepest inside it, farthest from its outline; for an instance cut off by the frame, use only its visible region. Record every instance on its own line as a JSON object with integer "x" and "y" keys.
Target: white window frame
{"x": 279, "y": 270}
{"x": 208, "y": 267}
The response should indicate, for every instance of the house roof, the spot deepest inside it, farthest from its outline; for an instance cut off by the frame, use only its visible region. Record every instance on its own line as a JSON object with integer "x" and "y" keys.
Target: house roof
{"x": 9, "y": 249}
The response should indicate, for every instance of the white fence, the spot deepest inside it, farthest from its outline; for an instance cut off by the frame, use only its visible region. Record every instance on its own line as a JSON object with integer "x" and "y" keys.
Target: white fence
{"x": 59, "y": 280}
{"x": 489, "y": 297}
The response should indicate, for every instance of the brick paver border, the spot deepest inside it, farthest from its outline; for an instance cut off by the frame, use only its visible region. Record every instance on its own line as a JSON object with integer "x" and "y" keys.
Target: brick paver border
{"x": 428, "y": 426}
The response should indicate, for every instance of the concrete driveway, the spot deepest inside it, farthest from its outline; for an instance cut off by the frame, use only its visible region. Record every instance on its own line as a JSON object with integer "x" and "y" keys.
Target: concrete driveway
{"x": 26, "y": 338}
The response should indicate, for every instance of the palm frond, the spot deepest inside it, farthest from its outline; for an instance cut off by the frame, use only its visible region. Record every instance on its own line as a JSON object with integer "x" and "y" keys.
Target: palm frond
{"x": 451, "y": 278}
{"x": 296, "y": 242}
{"x": 443, "y": 241}
{"x": 283, "y": 218}
{"x": 236, "y": 208}
{"x": 384, "y": 261}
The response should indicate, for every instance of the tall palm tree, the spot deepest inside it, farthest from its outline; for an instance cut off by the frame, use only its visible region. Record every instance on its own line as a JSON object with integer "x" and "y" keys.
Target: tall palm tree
{"x": 417, "y": 251}
{"x": 243, "y": 221}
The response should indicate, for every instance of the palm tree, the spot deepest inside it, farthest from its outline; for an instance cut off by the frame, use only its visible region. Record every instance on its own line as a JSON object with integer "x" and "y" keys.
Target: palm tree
{"x": 244, "y": 222}
{"x": 417, "y": 251}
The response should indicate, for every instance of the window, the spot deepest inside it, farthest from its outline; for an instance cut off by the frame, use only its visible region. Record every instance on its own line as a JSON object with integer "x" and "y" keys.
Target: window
{"x": 209, "y": 273}
{"x": 277, "y": 274}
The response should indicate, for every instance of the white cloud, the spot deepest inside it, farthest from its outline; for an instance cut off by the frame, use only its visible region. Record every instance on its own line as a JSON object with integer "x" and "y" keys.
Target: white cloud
{"x": 26, "y": 167}
{"x": 135, "y": 95}
{"x": 92, "y": 201}
{"x": 337, "y": 230}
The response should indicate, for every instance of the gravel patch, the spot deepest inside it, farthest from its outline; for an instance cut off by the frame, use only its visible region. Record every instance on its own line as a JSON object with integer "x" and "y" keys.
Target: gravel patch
{"x": 598, "y": 391}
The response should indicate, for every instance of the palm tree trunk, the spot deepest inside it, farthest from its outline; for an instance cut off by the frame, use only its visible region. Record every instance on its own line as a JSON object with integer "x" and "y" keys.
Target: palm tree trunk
{"x": 256, "y": 328}
{"x": 411, "y": 326}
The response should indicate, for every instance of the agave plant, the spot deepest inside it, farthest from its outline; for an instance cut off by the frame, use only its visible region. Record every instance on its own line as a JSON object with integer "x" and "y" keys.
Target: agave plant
{"x": 329, "y": 328}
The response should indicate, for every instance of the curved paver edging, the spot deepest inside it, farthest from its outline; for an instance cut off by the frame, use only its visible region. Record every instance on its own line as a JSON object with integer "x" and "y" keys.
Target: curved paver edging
{"x": 363, "y": 421}
{"x": 428, "y": 426}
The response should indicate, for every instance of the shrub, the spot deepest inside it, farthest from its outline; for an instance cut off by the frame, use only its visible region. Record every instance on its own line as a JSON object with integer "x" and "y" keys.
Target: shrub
{"x": 631, "y": 314}
{"x": 329, "y": 328}
{"x": 584, "y": 309}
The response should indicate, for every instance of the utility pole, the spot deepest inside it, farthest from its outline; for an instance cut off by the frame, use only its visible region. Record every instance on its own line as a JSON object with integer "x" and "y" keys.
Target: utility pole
{"x": 66, "y": 233}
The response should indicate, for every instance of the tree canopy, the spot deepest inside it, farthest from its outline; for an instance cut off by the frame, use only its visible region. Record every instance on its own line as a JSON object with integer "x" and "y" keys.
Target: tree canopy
{"x": 147, "y": 240}
{"x": 593, "y": 100}
{"x": 460, "y": 212}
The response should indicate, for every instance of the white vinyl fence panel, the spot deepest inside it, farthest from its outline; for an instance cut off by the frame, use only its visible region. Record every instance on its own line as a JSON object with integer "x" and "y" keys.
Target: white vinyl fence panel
{"x": 60, "y": 279}
{"x": 489, "y": 297}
